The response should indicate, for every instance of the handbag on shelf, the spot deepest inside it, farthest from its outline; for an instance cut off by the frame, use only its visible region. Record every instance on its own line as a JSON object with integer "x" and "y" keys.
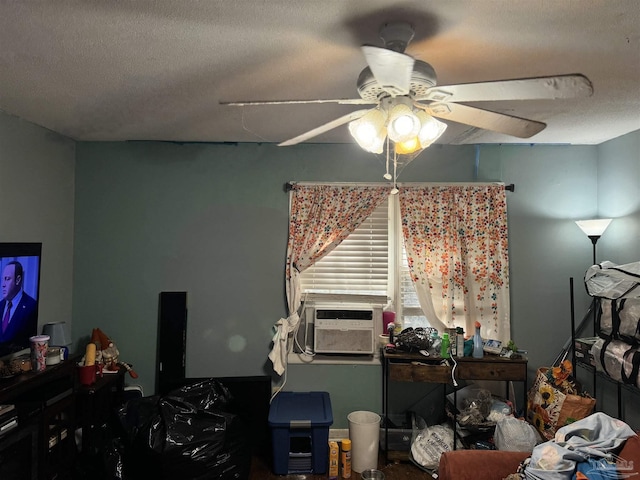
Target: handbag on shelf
{"x": 553, "y": 400}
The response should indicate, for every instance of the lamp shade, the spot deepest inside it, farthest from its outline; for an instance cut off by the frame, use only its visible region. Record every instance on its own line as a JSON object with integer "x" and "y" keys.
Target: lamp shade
{"x": 430, "y": 129}
{"x": 594, "y": 228}
{"x": 57, "y": 332}
{"x": 403, "y": 124}
{"x": 368, "y": 130}
{"x": 410, "y": 146}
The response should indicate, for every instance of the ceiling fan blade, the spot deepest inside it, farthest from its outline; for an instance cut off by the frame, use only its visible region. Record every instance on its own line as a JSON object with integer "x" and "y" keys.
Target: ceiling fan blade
{"x": 392, "y": 70}
{"x": 324, "y": 128}
{"x": 476, "y": 117}
{"x": 342, "y": 101}
{"x": 538, "y": 88}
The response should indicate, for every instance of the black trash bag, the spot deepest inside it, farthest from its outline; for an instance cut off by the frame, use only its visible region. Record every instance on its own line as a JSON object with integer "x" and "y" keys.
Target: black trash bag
{"x": 207, "y": 395}
{"x": 415, "y": 339}
{"x": 113, "y": 459}
{"x": 186, "y": 434}
{"x": 138, "y": 418}
{"x": 105, "y": 460}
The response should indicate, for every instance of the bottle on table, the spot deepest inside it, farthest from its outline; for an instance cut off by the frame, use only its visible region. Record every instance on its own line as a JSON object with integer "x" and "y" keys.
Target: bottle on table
{"x": 444, "y": 346}
{"x": 345, "y": 458}
{"x": 478, "y": 351}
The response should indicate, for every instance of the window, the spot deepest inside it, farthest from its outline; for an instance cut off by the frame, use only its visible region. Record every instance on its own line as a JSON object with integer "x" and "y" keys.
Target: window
{"x": 366, "y": 264}
{"x": 457, "y": 239}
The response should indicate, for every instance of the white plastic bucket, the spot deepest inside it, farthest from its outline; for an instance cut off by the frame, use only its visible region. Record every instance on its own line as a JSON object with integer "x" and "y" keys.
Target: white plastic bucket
{"x": 364, "y": 432}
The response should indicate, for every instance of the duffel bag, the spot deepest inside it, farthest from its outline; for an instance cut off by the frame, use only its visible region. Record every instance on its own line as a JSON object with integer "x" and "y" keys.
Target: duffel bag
{"x": 620, "y": 319}
{"x": 618, "y": 359}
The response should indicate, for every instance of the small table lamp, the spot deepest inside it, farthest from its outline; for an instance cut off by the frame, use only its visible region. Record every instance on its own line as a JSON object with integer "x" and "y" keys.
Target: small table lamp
{"x": 59, "y": 337}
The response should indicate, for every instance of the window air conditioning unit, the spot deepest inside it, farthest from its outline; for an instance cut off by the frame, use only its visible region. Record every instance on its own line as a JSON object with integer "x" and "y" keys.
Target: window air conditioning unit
{"x": 346, "y": 330}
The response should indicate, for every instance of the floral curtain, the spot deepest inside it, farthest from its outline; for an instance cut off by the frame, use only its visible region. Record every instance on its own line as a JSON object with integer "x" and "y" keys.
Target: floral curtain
{"x": 320, "y": 218}
{"x": 456, "y": 243}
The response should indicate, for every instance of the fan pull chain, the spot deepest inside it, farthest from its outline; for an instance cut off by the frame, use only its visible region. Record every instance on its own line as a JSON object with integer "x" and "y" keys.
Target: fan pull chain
{"x": 387, "y": 176}
{"x": 394, "y": 190}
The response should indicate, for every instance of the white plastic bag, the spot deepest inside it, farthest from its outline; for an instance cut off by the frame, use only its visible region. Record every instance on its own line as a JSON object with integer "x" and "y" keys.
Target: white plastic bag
{"x": 515, "y": 435}
{"x": 430, "y": 443}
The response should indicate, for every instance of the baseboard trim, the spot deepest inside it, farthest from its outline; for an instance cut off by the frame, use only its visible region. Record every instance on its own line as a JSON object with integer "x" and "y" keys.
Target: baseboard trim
{"x": 338, "y": 433}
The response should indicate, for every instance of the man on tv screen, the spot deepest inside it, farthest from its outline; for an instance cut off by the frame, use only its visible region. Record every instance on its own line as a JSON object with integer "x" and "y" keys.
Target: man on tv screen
{"x": 18, "y": 309}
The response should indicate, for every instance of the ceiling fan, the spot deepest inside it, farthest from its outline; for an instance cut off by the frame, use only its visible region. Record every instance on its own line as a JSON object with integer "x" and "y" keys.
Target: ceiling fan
{"x": 406, "y": 99}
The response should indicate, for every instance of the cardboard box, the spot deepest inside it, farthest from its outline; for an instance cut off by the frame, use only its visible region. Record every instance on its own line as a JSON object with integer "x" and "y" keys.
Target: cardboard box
{"x": 583, "y": 350}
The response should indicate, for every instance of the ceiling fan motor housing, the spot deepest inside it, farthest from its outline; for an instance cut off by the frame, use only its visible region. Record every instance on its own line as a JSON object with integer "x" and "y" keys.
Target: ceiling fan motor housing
{"x": 423, "y": 77}
{"x": 396, "y": 35}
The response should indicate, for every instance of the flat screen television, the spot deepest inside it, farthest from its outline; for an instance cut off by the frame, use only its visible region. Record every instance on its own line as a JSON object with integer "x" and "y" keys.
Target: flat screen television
{"x": 19, "y": 289}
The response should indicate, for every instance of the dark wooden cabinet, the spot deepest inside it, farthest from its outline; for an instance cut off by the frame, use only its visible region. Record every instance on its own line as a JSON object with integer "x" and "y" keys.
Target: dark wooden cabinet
{"x": 44, "y": 435}
{"x": 96, "y": 405}
{"x": 57, "y": 442}
{"x": 50, "y": 407}
{"x": 18, "y": 449}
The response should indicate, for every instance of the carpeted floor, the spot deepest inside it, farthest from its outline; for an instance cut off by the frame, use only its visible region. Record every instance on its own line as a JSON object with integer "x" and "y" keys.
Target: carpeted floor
{"x": 261, "y": 470}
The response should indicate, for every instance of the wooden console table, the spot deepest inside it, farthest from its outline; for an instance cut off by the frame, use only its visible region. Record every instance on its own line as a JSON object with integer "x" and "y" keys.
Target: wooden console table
{"x": 413, "y": 367}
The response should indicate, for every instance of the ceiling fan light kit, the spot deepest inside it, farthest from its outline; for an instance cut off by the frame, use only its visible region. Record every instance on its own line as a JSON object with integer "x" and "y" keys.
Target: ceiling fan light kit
{"x": 406, "y": 99}
{"x": 409, "y": 129}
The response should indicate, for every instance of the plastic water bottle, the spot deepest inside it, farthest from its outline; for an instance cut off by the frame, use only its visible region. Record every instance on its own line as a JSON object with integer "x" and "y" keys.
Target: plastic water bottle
{"x": 460, "y": 342}
{"x": 436, "y": 342}
{"x": 477, "y": 343}
{"x": 444, "y": 347}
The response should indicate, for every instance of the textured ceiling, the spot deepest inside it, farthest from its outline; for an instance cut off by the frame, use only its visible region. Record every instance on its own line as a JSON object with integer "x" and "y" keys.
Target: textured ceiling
{"x": 157, "y": 70}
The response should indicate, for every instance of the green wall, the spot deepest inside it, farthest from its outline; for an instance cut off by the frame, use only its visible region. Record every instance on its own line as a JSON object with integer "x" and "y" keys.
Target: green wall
{"x": 212, "y": 220}
{"x": 37, "y": 205}
{"x": 619, "y": 199}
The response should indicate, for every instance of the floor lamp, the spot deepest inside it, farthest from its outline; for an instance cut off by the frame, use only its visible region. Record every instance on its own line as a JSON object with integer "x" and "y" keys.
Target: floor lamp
{"x": 594, "y": 230}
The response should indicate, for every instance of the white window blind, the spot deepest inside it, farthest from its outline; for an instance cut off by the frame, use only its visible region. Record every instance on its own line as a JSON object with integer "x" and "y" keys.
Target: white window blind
{"x": 412, "y": 315}
{"x": 363, "y": 264}
{"x": 359, "y": 265}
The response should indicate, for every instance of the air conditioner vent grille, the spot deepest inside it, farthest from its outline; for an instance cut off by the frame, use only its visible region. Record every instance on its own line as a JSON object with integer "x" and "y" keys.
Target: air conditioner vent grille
{"x": 322, "y": 314}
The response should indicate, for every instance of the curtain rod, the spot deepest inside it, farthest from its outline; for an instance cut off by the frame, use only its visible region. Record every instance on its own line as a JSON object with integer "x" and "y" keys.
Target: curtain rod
{"x": 289, "y": 185}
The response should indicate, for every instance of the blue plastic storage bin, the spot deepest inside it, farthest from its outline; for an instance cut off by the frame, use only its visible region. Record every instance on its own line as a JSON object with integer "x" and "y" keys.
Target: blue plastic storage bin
{"x": 299, "y": 423}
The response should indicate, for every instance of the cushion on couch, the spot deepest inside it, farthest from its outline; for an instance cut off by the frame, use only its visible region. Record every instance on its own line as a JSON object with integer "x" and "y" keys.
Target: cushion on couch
{"x": 479, "y": 464}
{"x": 629, "y": 461}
